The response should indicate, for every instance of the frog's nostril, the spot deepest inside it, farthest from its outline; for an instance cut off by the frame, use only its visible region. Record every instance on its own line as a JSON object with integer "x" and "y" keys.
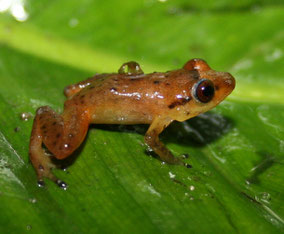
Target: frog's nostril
{"x": 230, "y": 80}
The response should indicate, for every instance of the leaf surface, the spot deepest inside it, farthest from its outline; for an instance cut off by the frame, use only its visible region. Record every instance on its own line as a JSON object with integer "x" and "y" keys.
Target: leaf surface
{"x": 236, "y": 150}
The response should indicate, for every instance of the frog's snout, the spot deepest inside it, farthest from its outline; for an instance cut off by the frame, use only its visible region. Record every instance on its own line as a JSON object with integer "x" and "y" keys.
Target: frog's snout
{"x": 230, "y": 81}
{"x": 227, "y": 85}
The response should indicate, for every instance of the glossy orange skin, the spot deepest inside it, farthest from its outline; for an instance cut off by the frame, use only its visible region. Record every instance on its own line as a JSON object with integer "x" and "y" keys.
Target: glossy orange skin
{"x": 126, "y": 97}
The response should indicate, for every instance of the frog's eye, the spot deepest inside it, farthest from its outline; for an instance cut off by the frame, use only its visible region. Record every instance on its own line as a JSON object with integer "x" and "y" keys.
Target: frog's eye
{"x": 203, "y": 90}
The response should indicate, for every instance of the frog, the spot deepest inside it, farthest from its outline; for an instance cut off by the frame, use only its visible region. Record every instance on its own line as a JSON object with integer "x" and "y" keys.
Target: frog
{"x": 128, "y": 97}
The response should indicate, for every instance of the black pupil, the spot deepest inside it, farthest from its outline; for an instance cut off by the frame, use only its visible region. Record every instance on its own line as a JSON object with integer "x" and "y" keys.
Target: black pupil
{"x": 208, "y": 90}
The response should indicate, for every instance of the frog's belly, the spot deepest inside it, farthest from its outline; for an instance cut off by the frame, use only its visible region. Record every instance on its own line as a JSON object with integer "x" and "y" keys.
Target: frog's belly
{"x": 108, "y": 117}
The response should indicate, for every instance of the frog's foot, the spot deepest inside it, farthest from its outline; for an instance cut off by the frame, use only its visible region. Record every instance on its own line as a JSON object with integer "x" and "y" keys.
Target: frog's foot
{"x": 44, "y": 167}
{"x": 179, "y": 160}
{"x": 183, "y": 157}
{"x": 170, "y": 159}
{"x": 130, "y": 68}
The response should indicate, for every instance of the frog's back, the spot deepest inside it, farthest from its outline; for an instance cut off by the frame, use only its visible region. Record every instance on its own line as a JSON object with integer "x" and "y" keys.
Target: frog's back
{"x": 117, "y": 98}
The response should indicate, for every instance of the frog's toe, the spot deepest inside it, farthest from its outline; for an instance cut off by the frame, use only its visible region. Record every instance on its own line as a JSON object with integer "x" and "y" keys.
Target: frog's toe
{"x": 49, "y": 175}
{"x": 61, "y": 184}
{"x": 182, "y": 158}
{"x": 185, "y": 156}
{"x": 187, "y": 165}
{"x": 44, "y": 170}
{"x": 41, "y": 183}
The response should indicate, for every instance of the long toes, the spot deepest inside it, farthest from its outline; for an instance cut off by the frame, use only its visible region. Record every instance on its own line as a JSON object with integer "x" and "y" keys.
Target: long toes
{"x": 40, "y": 183}
{"x": 46, "y": 172}
{"x": 187, "y": 165}
{"x": 184, "y": 156}
{"x": 62, "y": 184}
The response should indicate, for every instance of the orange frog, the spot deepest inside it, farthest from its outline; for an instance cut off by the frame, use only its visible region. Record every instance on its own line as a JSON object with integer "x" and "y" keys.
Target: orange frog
{"x": 126, "y": 97}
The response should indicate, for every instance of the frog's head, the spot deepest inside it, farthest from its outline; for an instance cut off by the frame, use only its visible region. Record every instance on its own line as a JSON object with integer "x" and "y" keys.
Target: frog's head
{"x": 210, "y": 88}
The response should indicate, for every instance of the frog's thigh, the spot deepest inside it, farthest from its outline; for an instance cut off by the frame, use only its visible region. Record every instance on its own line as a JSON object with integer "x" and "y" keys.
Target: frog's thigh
{"x": 60, "y": 134}
{"x": 152, "y": 139}
{"x": 63, "y": 134}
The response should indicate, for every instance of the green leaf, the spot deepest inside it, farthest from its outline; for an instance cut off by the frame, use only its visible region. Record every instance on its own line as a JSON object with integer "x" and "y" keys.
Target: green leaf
{"x": 236, "y": 150}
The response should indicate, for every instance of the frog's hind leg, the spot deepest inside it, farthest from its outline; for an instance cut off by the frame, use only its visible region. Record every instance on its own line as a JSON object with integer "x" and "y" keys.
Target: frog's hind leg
{"x": 41, "y": 161}
{"x": 61, "y": 134}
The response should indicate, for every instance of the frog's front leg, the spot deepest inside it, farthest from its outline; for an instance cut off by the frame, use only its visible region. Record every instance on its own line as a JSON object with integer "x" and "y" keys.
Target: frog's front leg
{"x": 152, "y": 140}
{"x": 61, "y": 134}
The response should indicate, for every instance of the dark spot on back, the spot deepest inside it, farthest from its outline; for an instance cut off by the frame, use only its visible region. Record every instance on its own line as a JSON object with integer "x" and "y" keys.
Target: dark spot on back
{"x": 54, "y": 143}
{"x": 58, "y": 135}
{"x": 156, "y": 82}
{"x": 216, "y": 87}
{"x": 91, "y": 87}
{"x": 54, "y": 123}
{"x": 43, "y": 127}
{"x": 179, "y": 102}
{"x": 167, "y": 83}
{"x": 82, "y": 96}
{"x": 82, "y": 102}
